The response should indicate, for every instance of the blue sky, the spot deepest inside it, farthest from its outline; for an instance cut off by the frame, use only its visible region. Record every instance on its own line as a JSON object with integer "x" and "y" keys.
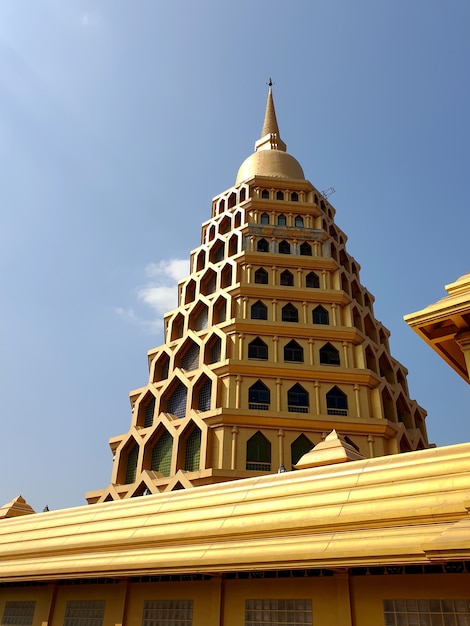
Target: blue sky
{"x": 119, "y": 121}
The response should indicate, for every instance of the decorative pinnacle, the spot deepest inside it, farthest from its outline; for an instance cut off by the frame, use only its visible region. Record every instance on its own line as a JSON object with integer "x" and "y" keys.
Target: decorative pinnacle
{"x": 270, "y": 138}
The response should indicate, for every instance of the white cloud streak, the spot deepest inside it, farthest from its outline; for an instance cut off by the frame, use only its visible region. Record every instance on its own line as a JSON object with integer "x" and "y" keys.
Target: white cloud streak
{"x": 160, "y": 293}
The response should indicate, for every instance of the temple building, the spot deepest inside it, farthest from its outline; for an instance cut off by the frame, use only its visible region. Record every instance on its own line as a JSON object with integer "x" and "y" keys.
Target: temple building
{"x": 262, "y": 481}
{"x": 273, "y": 345}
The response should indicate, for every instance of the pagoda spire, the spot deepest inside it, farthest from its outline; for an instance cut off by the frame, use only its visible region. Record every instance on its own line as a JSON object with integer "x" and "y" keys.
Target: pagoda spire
{"x": 270, "y": 136}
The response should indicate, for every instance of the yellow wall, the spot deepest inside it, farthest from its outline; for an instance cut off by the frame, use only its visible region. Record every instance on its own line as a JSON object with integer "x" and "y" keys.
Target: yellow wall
{"x": 339, "y": 600}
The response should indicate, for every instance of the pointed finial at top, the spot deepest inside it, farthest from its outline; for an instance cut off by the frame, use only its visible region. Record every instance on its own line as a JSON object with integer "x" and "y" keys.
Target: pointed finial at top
{"x": 270, "y": 138}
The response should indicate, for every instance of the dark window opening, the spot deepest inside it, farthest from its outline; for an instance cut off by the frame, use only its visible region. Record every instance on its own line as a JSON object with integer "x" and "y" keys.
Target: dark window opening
{"x": 293, "y": 352}
{"x": 290, "y": 313}
{"x": 320, "y": 316}
{"x": 257, "y": 349}
{"x": 329, "y": 355}
{"x": 259, "y": 311}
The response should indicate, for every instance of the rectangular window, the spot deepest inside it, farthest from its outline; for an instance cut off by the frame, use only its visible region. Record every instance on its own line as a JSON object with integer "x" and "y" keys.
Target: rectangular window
{"x": 278, "y": 612}
{"x": 80, "y": 612}
{"x": 432, "y": 612}
{"x": 18, "y": 612}
{"x": 167, "y": 613}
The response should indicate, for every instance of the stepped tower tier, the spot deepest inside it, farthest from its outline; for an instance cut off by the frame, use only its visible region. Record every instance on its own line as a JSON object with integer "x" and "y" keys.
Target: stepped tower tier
{"x": 273, "y": 345}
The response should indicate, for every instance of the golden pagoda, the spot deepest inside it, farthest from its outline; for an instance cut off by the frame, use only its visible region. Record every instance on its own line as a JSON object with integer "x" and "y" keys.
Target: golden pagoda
{"x": 274, "y": 344}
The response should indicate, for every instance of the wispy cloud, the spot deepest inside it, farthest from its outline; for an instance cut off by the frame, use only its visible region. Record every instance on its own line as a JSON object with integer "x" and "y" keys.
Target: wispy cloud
{"x": 160, "y": 292}
{"x": 87, "y": 20}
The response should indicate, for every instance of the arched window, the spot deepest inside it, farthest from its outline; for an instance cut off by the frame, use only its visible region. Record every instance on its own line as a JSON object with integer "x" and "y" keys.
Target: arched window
{"x": 261, "y": 276}
{"x": 299, "y": 221}
{"x": 293, "y": 352}
{"x": 290, "y": 313}
{"x": 259, "y": 396}
{"x": 294, "y": 196}
{"x": 262, "y": 246}
{"x": 190, "y": 359}
{"x": 299, "y": 447}
{"x": 161, "y": 454}
{"x": 284, "y": 247}
{"x": 132, "y": 459}
{"x": 312, "y": 281}
{"x": 265, "y": 194}
{"x": 320, "y": 315}
{"x": 204, "y": 395}
{"x": 176, "y": 404}
{"x": 192, "y": 455}
{"x": 149, "y": 411}
{"x": 336, "y": 402}
{"x": 305, "y": 249}
{"x": 213, "y": 350}
{"x": 287, "y": 279}
{"x": 329, "y": 355}
{"x": 279, "y": 195}
{"x": 257, "y": 349}
{"x": 258, "y": 453}
{"x": 264, "y": 218}
{"x": 281, "y": 220}
{"x": 259, "y": 311}
{"x": 297, "y": 399}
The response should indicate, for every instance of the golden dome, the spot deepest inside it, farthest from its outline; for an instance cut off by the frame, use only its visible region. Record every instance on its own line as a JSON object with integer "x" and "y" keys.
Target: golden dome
{"x": 272, "y": 163}
{"x": 270, "y": 157}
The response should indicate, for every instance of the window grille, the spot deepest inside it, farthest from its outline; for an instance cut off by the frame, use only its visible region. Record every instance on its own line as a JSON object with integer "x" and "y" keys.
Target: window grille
{"x": 264, "y": 218}
{"x": 258, "y": 453}
{"x": 164, "y": 368}
{"x": 284, "y": 247}
{"x": 176, "y": 404}
{"x": 294, "y": 196}
{"x": 161, "y": 454}
{"x": 265, "y": 194}
{"x": 200, "y": 321}
{"x": 257, "y": 349}
{"x": 320, "y": 315}
{"x": 312, "y": 281}
{"x": 297, "y": 399}
{"x": 299, "y": 221}
{"x": 259, "y": 394}
{"x": 215, "y": 350}
{"x": 167, "y": 613}
{"x": 259, "y": 311}
{"x": 287, "y": 279}
{"x": 193, "y": 451}
{"x": 218, "y": 254}
{"x": 89, "y": 612}
{"x": 299, "y": 447}
{"x": 149, "y": 411}
{"x": 204, "y": 397}
{"x": 290, "y": 313}
{"x": 329, "y": 355}
{"x": 336, "y": 402}
{"x": 279, "y": 195}
{"x": 18, "y": 612}
{"x": 441, "y": 612}
{"x": 305, "y": 249}
{"x": 262, "y": 246}
{"x": 281, "y": 220}
{"x": 273, "y": 612}
{"x": 132, "y": 459}
{"x": 261, "y": 277}
{"x": 209, "y": 285}
{"x": 293, "y": 352}
{"x": 190, "y": 359}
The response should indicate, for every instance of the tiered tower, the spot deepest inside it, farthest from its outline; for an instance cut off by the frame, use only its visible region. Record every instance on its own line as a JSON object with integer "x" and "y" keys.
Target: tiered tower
{"x": 273, "y": 344}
